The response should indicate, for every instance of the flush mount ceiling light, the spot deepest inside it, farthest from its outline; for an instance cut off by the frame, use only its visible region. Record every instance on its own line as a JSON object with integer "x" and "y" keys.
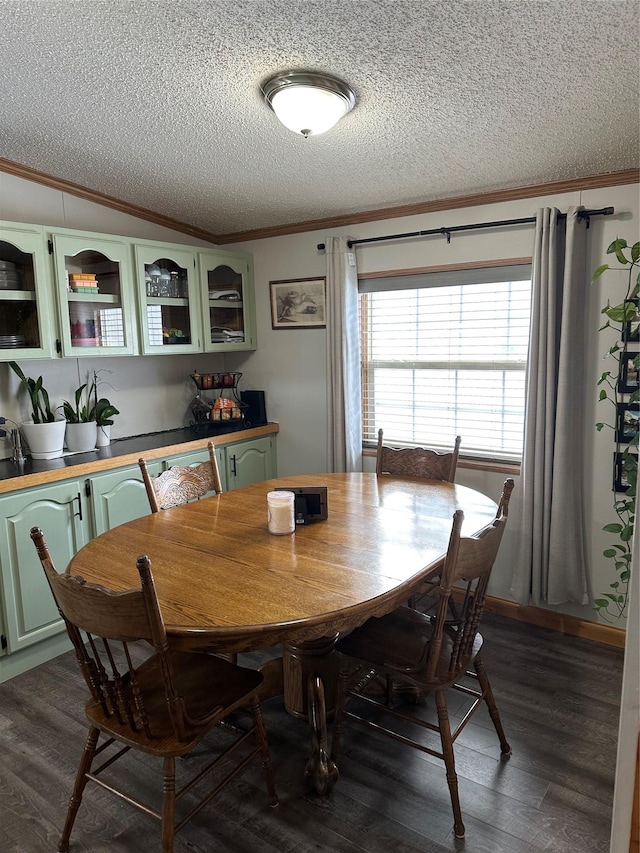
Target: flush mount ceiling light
{"x": 307, "y": 102}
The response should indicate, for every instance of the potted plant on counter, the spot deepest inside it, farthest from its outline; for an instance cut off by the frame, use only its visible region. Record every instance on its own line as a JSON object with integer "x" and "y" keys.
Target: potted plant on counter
{"x": 82, "y": 430}
{"x": 103, "y": 412}
{"x": 43, "y": 433}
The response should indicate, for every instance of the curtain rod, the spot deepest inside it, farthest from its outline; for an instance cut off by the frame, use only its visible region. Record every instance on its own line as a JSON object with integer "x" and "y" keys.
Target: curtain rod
{"x": 447, "y": 232}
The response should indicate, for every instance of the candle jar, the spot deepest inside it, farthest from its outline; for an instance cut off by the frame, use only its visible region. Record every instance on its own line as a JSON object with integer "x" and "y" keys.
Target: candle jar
{"x": 281, "y": 512}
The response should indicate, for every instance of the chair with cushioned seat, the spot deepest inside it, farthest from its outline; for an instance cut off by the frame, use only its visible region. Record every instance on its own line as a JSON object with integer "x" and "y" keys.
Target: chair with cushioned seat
{"x": 145, "y": 697}
{"x": 429, "y": 653}
{"x": 182, "y": 483}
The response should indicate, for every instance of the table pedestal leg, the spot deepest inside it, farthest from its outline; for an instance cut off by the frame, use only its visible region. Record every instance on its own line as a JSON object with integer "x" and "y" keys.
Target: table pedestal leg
{"x": 310, "y": 669}
{"x": 321, "y": 772}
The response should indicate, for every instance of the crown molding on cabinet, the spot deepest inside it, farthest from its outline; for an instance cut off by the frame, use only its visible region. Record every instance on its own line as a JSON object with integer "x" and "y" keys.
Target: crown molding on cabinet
{"x": 613, "y": 179}
{"x": 65, "y": 186}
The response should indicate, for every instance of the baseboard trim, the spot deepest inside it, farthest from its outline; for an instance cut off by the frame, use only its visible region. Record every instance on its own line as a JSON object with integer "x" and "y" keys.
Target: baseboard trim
{"x": 607, "y": 634}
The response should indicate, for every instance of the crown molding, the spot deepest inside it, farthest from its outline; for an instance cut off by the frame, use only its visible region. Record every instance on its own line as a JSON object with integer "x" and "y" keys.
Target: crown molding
{"x": 65, "y": 186}
{"x": 612, "y": 179}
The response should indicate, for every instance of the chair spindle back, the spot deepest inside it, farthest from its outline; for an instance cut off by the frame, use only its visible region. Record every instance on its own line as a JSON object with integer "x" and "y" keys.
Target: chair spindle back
{"x": 182, "y": 483}
{"x": 417, "y": 461}
{"x": 111, "y": 623}
{"x": 469, "y": 560}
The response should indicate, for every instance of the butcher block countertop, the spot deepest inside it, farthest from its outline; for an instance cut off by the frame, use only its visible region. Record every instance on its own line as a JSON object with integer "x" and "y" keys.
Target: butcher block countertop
{"x": 121, "y": 452}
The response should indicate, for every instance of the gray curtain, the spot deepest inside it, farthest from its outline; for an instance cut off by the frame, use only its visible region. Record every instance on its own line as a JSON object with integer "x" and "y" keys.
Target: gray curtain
{"x": 551, "y": 555}
{"x": 344, "y": 415}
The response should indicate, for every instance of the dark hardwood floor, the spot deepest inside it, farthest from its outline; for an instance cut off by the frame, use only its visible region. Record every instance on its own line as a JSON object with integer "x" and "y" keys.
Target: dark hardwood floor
{"x": 558, "y": 697}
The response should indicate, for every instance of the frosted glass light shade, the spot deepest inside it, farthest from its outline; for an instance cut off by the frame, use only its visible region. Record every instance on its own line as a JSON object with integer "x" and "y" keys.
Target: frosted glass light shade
{"x": 308, "y": 103}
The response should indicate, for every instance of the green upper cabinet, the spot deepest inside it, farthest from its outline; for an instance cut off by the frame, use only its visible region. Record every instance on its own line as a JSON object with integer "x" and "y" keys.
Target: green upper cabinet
{"x": 94, "y": 287}
{"x": 228, "y": 301}
{"x": 27, "y": 319}
{"x": 116, "y": 296}
{"x": 168, "y": 299}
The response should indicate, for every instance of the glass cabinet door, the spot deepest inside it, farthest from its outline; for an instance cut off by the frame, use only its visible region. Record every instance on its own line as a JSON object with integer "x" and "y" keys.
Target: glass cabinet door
{"x": 95, "y": 295}
{"x": 27, "y": 319}
{"x": 228, "y": 306}
{"x": 168, "y": 298}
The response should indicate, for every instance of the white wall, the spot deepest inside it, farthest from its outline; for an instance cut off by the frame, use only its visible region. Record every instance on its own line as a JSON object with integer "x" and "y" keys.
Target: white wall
{"x": 290, "y": 364}
{"x": 153, "y": 393}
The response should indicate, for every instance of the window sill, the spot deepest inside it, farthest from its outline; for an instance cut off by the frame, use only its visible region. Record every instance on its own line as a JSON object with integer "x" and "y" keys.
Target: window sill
{"x": 489, "y": 465}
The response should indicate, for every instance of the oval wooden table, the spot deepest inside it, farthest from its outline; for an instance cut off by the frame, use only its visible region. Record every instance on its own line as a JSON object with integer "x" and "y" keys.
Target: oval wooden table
{"x": 225, "y": 584}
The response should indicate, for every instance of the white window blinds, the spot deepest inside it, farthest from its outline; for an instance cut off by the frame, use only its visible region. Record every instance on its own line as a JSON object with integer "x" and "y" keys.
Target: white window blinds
{"x": 444, "y": 354}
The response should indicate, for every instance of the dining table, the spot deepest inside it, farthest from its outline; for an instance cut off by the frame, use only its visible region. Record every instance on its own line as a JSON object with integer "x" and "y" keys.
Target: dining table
{"x": 225, "y": 584}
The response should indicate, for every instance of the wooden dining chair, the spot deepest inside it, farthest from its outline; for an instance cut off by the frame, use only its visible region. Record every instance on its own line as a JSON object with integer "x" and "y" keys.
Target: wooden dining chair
{"x": 182, "y": 483}
{"x": 417, "y": 461}
{"x": 428, "y": 653}
{"x": 143, "y": 696}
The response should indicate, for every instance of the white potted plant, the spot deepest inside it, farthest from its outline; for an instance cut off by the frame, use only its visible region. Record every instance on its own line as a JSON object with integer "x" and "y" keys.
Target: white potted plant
{"x": 43, "y": 433}
{"x": 82, "y": 430}
{"x": 103, "y": 412}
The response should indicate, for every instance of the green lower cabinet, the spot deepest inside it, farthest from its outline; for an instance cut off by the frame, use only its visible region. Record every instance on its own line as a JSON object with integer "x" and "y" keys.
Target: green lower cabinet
{"x": 240, "y": 463}
{"x": 60, "y": 511}
{"x": 70, "y": 513}
{"x": 119, "y": 496}
{"x": 247, "y": 462}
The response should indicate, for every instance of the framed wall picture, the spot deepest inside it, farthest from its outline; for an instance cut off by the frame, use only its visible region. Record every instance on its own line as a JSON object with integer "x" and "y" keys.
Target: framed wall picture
{"x": 298, "y": 303}
{"x": 628, "y": 381}
{"x": 631, "y": 328}
{"x": 622, "y": 464}
{"x": 627, "y": 422}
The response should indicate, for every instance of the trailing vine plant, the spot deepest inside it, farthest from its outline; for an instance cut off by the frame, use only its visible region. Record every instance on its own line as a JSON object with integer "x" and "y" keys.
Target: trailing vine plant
{"x": 616, "y": 383}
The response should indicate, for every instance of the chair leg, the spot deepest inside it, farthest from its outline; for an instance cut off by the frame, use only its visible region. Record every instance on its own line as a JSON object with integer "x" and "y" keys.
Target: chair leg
{"x": 391, "y": 691}
{"x": 449, "y": 760}
{"x": 84, "y": 767}
{"x": 168, "y": 804}
{"x": 263, "y": 744}
{"x": 487, "y": 692}
{"x": 338, "y": 713}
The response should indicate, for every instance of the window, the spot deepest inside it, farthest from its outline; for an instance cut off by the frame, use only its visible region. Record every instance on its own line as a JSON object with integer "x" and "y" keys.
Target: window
{"x": 444, "y": 354}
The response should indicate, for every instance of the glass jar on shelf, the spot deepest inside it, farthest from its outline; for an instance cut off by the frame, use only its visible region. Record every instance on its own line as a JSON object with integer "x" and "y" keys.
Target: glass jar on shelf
{"x": 170, "y": 316}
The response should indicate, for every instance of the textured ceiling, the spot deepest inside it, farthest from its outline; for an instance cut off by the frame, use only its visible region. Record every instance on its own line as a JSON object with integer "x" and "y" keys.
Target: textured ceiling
{"x": 157, "y": 102}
